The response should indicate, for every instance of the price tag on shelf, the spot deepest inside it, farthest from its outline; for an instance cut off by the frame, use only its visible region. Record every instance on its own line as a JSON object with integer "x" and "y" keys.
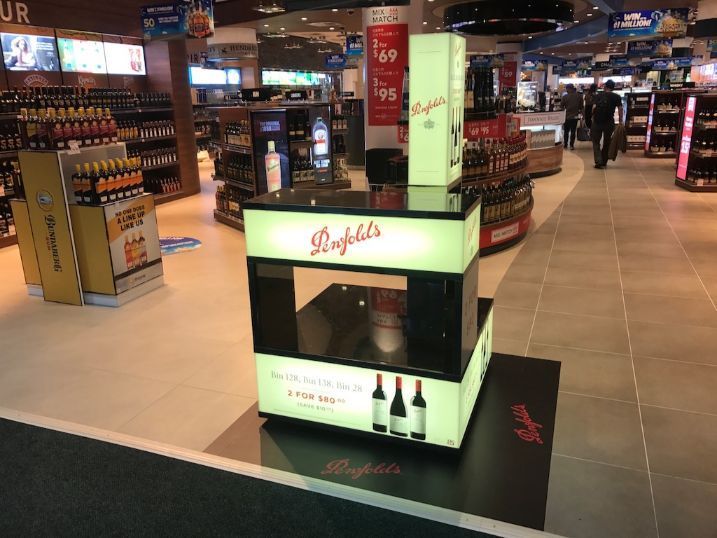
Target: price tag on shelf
{"x": 386, "y": 58}
{"x": 74, "y": 147}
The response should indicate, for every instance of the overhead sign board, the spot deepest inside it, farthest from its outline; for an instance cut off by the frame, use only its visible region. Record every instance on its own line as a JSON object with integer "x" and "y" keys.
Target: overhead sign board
{"x": 648, "y": 23}
{"x": 180, "y": 19}
{"x": 656, "y": 48}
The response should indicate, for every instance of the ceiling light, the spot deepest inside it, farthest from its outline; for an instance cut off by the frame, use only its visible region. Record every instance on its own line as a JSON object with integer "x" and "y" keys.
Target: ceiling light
{"x": 331, "y": 28}
{"x": 424, "y": 22}
{"x": 576, "y": 21}
{"x": 334, "y": 10}
{"x": 595, "y": 7}
{"x": 266, "y": 26}
{"x": 269, "y": 7}
{"x": 589, "y": 14}
{"x": 282, "y": 28}
{"x": 438, "y": 27}
{"x": 430, "y": 0}
{"x": 304, "y": 18}
{"x": 530, "y": 37}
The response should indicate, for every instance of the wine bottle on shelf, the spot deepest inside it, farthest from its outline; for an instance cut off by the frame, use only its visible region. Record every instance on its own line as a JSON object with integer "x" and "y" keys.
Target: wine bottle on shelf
{"x": 398, "y": 419}
{"x": 379, "y": 407}
{"x": 418, "y": 414}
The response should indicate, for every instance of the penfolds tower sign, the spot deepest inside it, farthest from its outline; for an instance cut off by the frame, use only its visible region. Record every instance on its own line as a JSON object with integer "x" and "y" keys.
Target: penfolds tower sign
{"x": 323, "y": 241}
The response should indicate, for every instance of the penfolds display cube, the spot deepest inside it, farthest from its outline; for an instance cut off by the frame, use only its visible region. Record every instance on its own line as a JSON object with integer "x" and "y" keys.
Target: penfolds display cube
{"x": 404, "y": 360}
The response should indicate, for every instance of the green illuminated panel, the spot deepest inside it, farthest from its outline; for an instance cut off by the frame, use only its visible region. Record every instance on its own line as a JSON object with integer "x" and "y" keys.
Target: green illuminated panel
{"x": 388, "y": 242}
{"x": 343, "y": 396}
{"x": 435, "y": 129}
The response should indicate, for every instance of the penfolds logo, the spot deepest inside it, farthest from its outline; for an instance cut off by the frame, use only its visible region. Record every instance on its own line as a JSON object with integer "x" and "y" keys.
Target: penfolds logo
{"x": 530, "y": 432}
{"x": 419, "y": 108}
{"x": 343, "y": 467}
{"x": 323, "y": 242}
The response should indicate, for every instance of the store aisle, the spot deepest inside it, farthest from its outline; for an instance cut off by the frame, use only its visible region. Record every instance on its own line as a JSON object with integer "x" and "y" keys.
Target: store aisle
{"x": 619, "y": 285}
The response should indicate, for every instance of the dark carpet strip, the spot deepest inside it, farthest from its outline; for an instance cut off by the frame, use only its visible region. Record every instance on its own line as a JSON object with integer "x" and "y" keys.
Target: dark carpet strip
{"x": 56, "y": 484}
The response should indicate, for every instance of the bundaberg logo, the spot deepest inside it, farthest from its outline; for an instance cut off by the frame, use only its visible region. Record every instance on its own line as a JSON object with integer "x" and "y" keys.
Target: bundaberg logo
{"x": 45, "y": 200}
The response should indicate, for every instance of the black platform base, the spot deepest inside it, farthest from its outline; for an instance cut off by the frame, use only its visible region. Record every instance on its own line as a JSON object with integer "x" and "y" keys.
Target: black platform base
{"x": 501, "y": 473}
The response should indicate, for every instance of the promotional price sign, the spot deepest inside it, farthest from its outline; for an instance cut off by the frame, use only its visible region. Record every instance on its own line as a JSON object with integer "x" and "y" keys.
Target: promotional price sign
{"x": 507, "y": 75}
{"x": 335, "y": 61}
{"x": 386, "y": 59}
{"x": 686, "y": 138}
{"x": 495, "y": 128}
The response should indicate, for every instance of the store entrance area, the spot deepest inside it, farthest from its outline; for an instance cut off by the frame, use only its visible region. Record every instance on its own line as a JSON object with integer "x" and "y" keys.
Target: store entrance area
{"x": 615, "y": 280}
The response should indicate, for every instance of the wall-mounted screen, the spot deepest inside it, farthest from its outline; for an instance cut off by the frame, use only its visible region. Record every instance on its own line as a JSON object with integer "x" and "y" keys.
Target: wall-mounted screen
{"x": 123, "y": 59}
{"x": 199, "y": 76}
{"x": 233, "y": 77}
{"x": 291, "y": 78}
{"x": 82, "y": 56}
{"x": 23, "y": 52}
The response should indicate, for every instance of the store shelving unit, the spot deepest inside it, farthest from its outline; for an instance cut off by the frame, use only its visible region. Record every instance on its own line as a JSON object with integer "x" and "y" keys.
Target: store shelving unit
{"x": 638, "y": 107}
{"x": 697, "y": 161}
{"x": 148, "y": 114}
{"x": 664, "y": 122}
{"x": 8, "y": 119}
{"x": 234, "y": 190}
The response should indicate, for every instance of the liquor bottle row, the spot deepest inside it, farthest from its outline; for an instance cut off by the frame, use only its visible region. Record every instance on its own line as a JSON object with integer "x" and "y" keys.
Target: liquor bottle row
{"x": 154, "y": 157}
{"x": 237, "y": 133}
{"x": 299, "y": 128}
{"x": 479, "y": 92}
{"x": 702, "y": 172}
{"x": 667, "y": 103}
{"x": 704, "y": 143}
{"x": 506, "y": 102}
{"x": 302, "y": 169}
{"x": 205, "y": 145}
{"x": 396, "y": 419}
{"x": 51, "y": 129}
{"x": 489, "y": 157}
{"x": 229, "y": 200}
{"x": 10, "y": 137}
{"x": 12, "y": 101}
{"x": 163, "y": 185}
{"x": 707, "y": 118}
{"x": 662, "y": 144}
{"x": 201, "y": 129}
{"x": 665, "y": 125}
{"x": 339, "y": 123}
{"x": 239, "y": 168}
{"x": 131, "y": 130}
{"x": 341, "y": 169}
{"x": 201, "y": 95}
{"x": 107, "y": 181}
{"x": 507, "y": 200}
{"x": 7, "y": 223}
{"x": 11, "y": 180}
{"x": 339, "y": 143}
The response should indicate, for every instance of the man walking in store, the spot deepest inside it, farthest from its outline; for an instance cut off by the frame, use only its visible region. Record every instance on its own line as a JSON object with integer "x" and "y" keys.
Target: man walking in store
{"x": 604, "y": 105}
{"x": 572, "y": 103}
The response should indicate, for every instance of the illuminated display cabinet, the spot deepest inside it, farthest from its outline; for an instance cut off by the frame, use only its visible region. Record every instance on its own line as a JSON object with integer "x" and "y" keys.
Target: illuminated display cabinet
{"x": 403, "y": 362}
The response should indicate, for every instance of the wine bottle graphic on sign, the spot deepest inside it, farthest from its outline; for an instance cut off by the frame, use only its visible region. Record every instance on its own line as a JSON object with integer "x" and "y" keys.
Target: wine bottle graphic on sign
{"x": 379, "y": 406}
{"x": 272, "y": 164}
{"x": 418, "y": 414}
{"x": 398, "y": 419}
{"x": 405, "y": 101}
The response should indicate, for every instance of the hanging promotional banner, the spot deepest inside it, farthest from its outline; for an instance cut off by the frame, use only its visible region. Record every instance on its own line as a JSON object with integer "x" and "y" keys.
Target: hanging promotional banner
{"x": 602, "y": 65}
{"x": 181, "y": 19}
{"x": 648, "y": 23}
{"x": 232, "y": 51}
{"x": 619, "y": 61}
{"x": 386, "y": 60}
{"x": 335, "y": 61}
{"x": 354, "y": 45}
{"x": 487, "y": 60}
{"x": 658, "y": 48}
{"x": 669, "y": 64}
{"x": 507, "y": 75}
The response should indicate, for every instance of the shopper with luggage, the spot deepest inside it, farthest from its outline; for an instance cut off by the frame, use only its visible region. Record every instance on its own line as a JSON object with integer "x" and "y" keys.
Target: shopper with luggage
{"x": 603, "y": 124}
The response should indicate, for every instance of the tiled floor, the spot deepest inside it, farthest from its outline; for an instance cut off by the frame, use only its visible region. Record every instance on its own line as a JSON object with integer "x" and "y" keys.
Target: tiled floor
{"x": 616, "y": 281}
{"x": 620, "y": 285}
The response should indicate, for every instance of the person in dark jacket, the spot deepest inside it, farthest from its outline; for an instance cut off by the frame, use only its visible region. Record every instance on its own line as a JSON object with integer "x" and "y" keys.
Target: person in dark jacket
{"x": 589, "y": 96}
{"x": 572, "y": 103}
{"x": 604, "y": 106}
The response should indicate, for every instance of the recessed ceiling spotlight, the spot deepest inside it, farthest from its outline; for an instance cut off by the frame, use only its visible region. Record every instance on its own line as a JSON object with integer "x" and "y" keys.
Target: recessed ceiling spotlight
{"x": 266, "y": 26}
{"x": 334, "y": 10}
{"x": 430, "y": 0}
{"x": 530, "y": 37}
{"x": 552, "y": 53}
{"x": 282, "y": 28}
{"x": 589, "y": 14}
{"x": 595, "y": 7}
{"x": 304, "y": 18}
{"x": 576, "y": 21}
{"x": 331, "y": 28}
{"x": 424, "y": 22}
{"x": 270, "y": 8}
